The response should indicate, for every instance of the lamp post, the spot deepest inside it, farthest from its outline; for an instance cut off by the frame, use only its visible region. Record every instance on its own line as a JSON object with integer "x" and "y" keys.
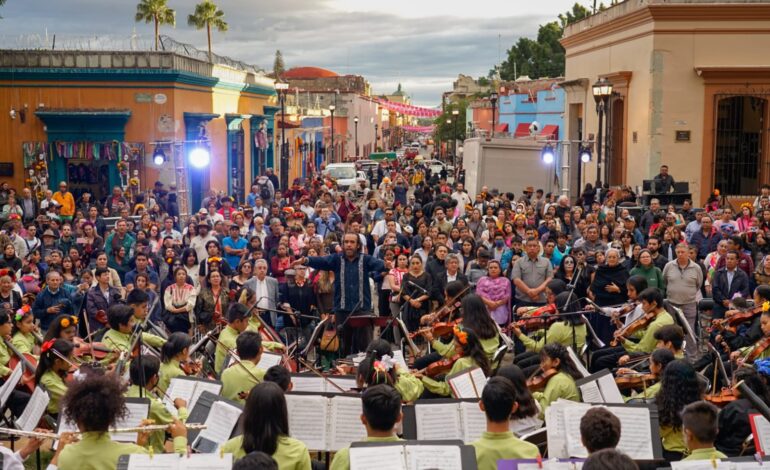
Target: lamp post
{"x": 331, "y": 110}
{"x": 376, "y": 136}
{"x": 449, "y": 123}
{"x": 281, "y": 88}
{"x": 455, "y": 116}
{"x": 602, "y": 90}
{"x": 355, "y": 122}
{"x": 493, "y": 99}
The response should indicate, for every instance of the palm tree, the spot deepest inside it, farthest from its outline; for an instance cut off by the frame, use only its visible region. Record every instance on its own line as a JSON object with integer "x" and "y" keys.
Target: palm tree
{"x": 207, "y": 15}
{"x": 156, "y": 11}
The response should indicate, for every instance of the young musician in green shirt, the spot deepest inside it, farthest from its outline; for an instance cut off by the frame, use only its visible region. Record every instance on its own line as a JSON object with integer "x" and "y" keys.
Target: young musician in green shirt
{"x": 55, "y": 362}
{"x": 120, "y": 335}
{"x": 381, "y": 406}
{"x": 468, "y": 347}
{"x": 679, "y": 386}
{"x": 498, "y": 402}
{"x": 173, "y": 352}
{"x": 554, "y": 357}
{"x": 265, "y": 426}
{"x": 96, "y": 404}
{"x": 144, "y": 380}
{"x": 237, "y": 321}
{"x": 699, "y": 421}
{"x": 241, "y": 376}
{"x": 23, "y": 327}
{"x": 379, "y": 350}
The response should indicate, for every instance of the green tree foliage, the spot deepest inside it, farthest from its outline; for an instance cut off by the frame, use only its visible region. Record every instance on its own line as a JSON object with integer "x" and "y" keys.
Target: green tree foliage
{"x": 446, "y": 132}
{"x": 543, "y": 57}
{"x": 208, "y": 15}
{"x": 153, "y": 11}
{"x": 278, "y": 65}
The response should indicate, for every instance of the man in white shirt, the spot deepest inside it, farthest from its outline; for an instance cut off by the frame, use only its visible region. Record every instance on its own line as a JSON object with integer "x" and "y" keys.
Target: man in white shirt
{"x": 168, "y": 231}
{"x": 381, "y": 227}
{"x": 199, "y": 241}
{"x": 462, "y": 199}
{"x": 259, "y": 229}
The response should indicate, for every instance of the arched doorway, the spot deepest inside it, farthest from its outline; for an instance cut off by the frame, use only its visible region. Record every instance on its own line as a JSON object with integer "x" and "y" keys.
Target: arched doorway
{"x": 739, "y": 146}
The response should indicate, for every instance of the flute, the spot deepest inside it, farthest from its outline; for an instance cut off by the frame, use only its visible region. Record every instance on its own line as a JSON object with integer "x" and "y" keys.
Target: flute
{"x": 50, "y": 435}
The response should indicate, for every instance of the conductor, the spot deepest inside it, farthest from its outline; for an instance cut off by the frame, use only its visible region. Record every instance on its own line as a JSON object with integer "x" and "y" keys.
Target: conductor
{"x": 663, "y": 182}
{"x": 352, "y": 293}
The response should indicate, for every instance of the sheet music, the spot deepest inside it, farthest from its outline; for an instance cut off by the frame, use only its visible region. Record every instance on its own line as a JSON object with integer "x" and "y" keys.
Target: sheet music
{"x": 398, "y": 355}
{"x": 705, "y": 464}
{"x": 761, "y": 429}
{"x": 179, "y": 387}
{"x": 551, "y": 465}
{"x": 590, "y": 392}
{"x": 468, "y": 383}
{"x": 269, "y": 360}
{"x": 572, "y": 417}
{"x": 635, "y": 432}
{"x": 153, "y": 462}
{"x": 200, "y": 387}
{"x": 307, "y": 419}
{"x": 177, "y": 462}
{"x": 610, "y": 390}
{"x": 346, "y": 424}
{"x": 63, "y": 426}
{"x": 578, "y": 363}
{"x": 430, "y": 457}
{"x": 440, "y": 421}
{"x": 378, "y": 458}
{"x": 11, "y": 383}
{"x": 307, "y": 383}
{"x": 34, "y": 410}
{"x": 206, "y": 462}
{"x": 220, "y": 422}
{"x": 343, "y": 382}
{"x": 474, "y": 421}
{"x": 557, "y": 427}
{"x": 136, "y": 413}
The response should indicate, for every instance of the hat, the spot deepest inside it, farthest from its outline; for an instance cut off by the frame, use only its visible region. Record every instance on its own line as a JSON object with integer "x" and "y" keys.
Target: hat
{"x": 483, "y": 254}
{"x": 629, "y": 218}
{"x": 204, "y": 223}
{"x": 408, "y": 229}
{"x": 233, "y": 226}
{"x": 158, "y": 184}
{"x": 49, "y": 233}
{"x": 203, "y": 211}
{"x": 529, "y": 189}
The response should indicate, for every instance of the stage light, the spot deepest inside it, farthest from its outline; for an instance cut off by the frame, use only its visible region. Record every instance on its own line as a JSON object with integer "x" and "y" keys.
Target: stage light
{"x": 200, "y": 157}
{"x": 158, "y": 157}
{"x": 585, "y": 153}
{"x": 547, "y": 154}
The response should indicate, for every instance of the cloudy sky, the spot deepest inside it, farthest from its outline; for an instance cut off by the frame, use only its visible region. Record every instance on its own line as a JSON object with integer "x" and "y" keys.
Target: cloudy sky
{"x": 422, "y": 44}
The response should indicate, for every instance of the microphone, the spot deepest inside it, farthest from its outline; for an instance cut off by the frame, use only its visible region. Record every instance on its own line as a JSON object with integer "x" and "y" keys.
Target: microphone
{"x": 416, "y": 286}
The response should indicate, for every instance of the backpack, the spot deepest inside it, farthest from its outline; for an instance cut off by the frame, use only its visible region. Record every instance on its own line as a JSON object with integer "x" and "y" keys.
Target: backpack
{"x": 264, "y": 192}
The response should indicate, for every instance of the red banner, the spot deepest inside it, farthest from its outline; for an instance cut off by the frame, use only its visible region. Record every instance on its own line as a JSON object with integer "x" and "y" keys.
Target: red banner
{"x": 408, "y": 109}
{"x": 419, "y": 129}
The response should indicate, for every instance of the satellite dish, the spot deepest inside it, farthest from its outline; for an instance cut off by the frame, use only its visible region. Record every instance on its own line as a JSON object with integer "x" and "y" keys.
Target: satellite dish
{"x": 534, "y": 128}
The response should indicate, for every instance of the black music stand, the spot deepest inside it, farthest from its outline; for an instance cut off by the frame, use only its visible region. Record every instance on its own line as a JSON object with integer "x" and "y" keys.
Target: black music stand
{"x": 364, "y": 320}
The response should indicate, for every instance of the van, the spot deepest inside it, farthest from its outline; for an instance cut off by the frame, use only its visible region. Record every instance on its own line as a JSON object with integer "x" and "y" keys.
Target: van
{"x": 343, "y": 173}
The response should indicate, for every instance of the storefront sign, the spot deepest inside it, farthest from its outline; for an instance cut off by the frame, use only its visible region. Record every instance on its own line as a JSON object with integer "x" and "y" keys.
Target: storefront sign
{"x": 143, "y": 97}
{"x": 160, "y": 98}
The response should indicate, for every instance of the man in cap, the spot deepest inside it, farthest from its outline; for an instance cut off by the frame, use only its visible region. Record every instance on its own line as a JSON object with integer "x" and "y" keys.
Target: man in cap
{"x": 199, "y": 241}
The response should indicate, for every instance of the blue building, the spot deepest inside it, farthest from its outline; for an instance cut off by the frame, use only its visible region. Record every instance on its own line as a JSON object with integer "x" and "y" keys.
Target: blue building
{"x": 538, "y": 100}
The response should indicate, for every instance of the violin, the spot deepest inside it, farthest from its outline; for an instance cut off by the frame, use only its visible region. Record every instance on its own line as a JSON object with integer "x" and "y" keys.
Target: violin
{"x": 191, "y": 367}
{"x": 28, "y": 361}
{"x": 759, "y": 348}
{"x": 441, "y": 328}
{"x": 539, "y": 381}
{"x": 723, "y": 398}
{"x": 442, "y": 366}
{"x": 731, "y": 323}
{"x": 449, "y": 307}
{"x": 97, "y": 351}
{"x": 635, "y": 381}
{"x": 636, "y": 325}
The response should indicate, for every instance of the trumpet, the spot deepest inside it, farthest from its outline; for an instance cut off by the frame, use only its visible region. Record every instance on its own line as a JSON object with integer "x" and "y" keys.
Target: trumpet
{"x": 51, "y": 435}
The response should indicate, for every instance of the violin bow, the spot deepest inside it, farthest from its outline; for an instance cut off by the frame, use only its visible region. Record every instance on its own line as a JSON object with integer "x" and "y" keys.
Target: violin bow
{"x": 319, "y": 374}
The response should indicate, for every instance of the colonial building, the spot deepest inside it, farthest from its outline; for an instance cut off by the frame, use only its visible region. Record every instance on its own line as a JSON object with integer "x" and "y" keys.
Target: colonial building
{"x": 690, "y": 89}
{"x": 101, "y": 119}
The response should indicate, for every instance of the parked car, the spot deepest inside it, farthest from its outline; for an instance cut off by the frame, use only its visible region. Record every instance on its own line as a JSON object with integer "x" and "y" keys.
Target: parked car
{"x": 345, "y": 174}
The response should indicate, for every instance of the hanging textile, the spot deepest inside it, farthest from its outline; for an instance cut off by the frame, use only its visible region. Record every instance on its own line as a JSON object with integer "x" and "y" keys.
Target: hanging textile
{"x": 408, "y": 109}
{"x": 98, "y": 150}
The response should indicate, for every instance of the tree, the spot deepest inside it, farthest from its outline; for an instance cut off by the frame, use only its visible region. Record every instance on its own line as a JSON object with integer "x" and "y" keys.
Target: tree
{"x": 543, "y": 57}
{"x": 278, "y": 65}
{"x": 155, "y": 11}
{"x": 208, "y": 15}
{"x": 446, "y": 132}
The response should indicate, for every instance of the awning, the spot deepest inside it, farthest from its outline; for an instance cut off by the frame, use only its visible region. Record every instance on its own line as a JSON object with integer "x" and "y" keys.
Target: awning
{"x": 287, "y": 124}
{"x": 503, "y": 127}
{"x": 522, "y": 130}
{"x": 550, "y": 131}
{"x": 382, "y": 156}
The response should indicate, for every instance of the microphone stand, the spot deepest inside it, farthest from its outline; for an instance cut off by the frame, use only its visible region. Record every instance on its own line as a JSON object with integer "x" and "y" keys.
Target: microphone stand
{"x": 571, "y": 287}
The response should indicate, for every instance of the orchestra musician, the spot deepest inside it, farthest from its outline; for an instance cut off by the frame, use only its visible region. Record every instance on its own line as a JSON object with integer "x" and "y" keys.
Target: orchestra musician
{"x": 760, "y": 349}
{"x": 679, "y": 386}
{"x": 659, "y": 359}
{"x": 468, "y": 353}
{"x": 380, "y": 367}
{"x": 381, "y": 412}
{"x": 242, "y": 375}
{"x": 119, "y": 336}
{"x": 567, "y": 330}
{"x": 144, "y": 380}
{"x": 556, "y": 363}
{"x": 734, "y": 423}
{"x": 749, "y": 332}
{"x": 23, "y": 331}
{"x": 55, "y": 362}
{"x": 265, "y": 427}
{"x": 524, "y": 419}
{"x": 655, "y": 317}
{"x": 64, "y": 327}
{"x": 18, "y": 399}
{"x": 95, "y": 405}
{"x": 173, "y": 352}
{"x": 237, "y": 321}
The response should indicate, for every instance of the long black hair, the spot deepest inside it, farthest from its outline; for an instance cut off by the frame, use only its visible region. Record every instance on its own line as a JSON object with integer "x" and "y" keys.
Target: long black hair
{"x": 754, "y": 381}
{"x": 679, "y": 386}
{"x": 368, "y": 374}
{"x": 476, "y": 317}
{"x": 472, "y": 348}
{"x": 567, "y": 302}
{"x": 559, "y": 351}
{"x": 265, "y": 418}
{"x": 49, "y": 356}
{"x": 527, "y": 406}
{"x": 176, "y": 343}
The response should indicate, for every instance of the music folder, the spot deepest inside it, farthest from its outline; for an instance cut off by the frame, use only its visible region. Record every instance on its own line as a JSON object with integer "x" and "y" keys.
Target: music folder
{"x": 600, "y": 388}
{"x": 468, "y": 383}
{"x": 175, "y": 462}
{"x": 444, "y": 419}
{"x": 189, "y": 389}
{"x": 325, "y": 422}
{"x": 412, "y": 455}
{"x": 34, "y": 411}
{"x": 201, "y": 412}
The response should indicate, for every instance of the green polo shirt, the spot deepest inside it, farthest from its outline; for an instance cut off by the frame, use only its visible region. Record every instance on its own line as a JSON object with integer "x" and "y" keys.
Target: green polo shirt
{"x": 705, "y": 454}
{"x": 494, "y": 446}
{"x": 342, "y": 457}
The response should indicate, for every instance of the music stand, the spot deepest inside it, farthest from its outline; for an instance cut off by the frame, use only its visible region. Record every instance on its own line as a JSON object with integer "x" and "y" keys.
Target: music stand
{"x": 317, "y": 331}
{"x": 365, "y": 321}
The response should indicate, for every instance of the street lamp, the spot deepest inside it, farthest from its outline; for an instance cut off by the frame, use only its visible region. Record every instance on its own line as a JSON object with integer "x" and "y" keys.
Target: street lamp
{"x": 602, "y": 90}
{"x": 331, "y": 110}
{"x": 449, "y": 123}
{"x": 493, "y": 99}
{"x": 355, "y": 122}
{"x": 281, "y": 88}
{"x": 455, "y": 115}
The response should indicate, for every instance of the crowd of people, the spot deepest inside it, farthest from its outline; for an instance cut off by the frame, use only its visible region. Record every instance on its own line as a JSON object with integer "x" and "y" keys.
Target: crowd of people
{"x": 517, "y": 285}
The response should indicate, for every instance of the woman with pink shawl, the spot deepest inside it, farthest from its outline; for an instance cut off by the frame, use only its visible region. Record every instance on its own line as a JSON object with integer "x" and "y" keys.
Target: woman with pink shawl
{"x": 495, "y": 290}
